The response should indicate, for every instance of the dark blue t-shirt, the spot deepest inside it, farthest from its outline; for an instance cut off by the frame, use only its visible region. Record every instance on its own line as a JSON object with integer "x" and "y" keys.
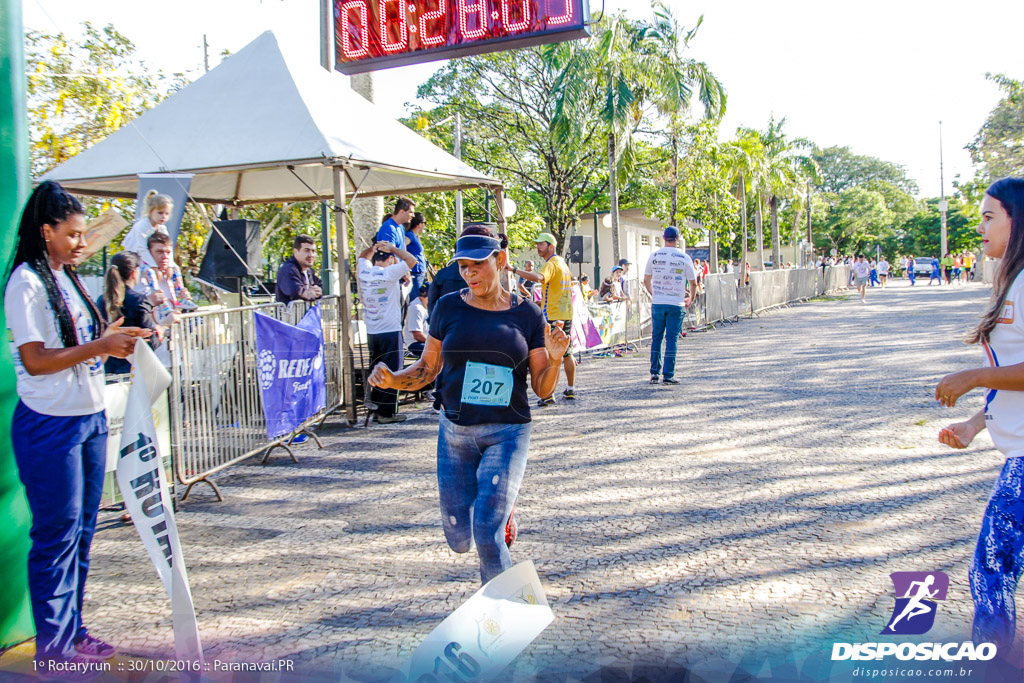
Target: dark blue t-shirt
{"x": 392, "y": 232}
{"x": 498, "y": 339}
{"x": 416, "y": 249}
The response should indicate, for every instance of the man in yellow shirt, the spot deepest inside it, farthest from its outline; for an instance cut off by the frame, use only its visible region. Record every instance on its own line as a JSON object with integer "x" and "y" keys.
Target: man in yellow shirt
{"x": 556, "y": 302}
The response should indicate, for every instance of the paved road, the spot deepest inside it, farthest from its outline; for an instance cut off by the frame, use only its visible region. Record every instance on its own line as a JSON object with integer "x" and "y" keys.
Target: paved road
{"x": 762, "y": 503}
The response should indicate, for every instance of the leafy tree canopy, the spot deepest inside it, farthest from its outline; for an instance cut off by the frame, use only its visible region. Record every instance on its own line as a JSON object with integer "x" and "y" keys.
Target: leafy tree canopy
{"x": 999, "y": 145}
{"x": 841, "y": 169}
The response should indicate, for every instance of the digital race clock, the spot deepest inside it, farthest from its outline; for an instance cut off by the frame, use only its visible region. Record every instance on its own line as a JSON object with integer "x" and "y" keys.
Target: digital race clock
{"x": 378, "y": 34}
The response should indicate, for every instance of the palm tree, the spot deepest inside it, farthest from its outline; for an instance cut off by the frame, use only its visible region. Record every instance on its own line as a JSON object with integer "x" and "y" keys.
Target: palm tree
{"x": 675, "y": 81}
{"x": 744, "y": 160}
{"x": 756, "y": 173}
{"x": 784, "y": 174}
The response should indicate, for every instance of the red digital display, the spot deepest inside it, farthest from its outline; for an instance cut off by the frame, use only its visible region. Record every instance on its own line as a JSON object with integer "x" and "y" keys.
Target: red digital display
{"x": 378, "y": 34}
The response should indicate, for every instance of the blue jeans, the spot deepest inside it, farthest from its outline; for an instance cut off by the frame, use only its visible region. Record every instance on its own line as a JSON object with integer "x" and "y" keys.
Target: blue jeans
{"x": 479, "y": 470}
{"x": 999, "y": 559}
{"x": 668, "y": 321}
{"x": 61, "y": 461}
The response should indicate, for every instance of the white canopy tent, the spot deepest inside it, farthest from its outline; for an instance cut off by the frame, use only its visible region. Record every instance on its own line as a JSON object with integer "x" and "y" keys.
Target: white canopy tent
{"x": 239, "y": 127}
{"x": 249, "y": 126}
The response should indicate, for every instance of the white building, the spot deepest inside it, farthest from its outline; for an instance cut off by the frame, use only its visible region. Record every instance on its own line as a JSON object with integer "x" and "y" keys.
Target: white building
{"x": 639, "y": 235}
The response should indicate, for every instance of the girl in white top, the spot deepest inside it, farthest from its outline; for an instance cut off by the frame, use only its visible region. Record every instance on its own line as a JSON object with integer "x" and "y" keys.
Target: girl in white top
{"x": 59, "y": 427}
{"x": 999, "y": 555}
{"x": 158, "y": 212}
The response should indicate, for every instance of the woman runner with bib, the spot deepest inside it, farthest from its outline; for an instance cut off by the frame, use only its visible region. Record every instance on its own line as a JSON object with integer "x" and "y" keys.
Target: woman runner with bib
{"x": 485, "y": 341}
{"x": 999, "y": 555}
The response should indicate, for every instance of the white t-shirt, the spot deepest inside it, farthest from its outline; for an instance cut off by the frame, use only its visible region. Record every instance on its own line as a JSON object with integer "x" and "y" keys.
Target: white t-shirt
{"x": 137, "y": 239}
{"x": 883, "y": 267}
{"x": 415, "y": 320}
{"x": 1004, "y": 410}
{"x": 860, "y": 269}
{"x": 382, "y": 295}
{"x": 75, "y": 391}
{"x": 670, "y": 269}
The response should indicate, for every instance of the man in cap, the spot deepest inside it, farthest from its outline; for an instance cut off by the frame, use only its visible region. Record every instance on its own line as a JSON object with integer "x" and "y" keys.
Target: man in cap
{"x": 672, "y": 283}
{"x": 381, "y": 269}
{"x": 556, "y": 302}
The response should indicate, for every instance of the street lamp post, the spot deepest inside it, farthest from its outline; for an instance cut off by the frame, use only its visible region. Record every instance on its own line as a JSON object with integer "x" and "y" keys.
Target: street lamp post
{"x": 943, "y": 205}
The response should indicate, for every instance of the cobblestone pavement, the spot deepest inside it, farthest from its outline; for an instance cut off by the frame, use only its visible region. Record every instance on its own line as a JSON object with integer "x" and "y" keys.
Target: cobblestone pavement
{"x": 761, "y": 504}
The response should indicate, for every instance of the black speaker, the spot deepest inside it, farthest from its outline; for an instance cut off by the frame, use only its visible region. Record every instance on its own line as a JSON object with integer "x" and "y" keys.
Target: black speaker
{"x": 220, "y": 261}
{"x": 581, "y": 249}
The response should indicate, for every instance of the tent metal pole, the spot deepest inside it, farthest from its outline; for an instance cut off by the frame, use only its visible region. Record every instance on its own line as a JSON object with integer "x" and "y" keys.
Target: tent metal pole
{"x": 326, "y": 272}
{"x": 346, "y": 346}
{"x": 499, "y": 200}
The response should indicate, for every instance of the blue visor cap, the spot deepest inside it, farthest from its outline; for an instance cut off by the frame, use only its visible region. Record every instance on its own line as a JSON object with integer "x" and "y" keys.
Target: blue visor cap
{"x": 475, "y": 248}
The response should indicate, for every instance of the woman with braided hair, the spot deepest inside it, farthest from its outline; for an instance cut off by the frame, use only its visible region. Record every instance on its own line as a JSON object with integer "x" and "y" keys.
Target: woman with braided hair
{"x": 59, "y": 428}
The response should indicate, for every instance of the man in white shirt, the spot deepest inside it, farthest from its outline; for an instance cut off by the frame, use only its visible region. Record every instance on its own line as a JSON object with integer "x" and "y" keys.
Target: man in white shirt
{"x": 672, "y": 282}
{"x": 861, "y": 271}
{"x": 380, "y": 281}
{"x": 416, "y": 324}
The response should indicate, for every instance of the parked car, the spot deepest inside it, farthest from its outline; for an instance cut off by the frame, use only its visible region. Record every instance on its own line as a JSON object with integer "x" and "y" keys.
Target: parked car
{"x": 923, "y": 265}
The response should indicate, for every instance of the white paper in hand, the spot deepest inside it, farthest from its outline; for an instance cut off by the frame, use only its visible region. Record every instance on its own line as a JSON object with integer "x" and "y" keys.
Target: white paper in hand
{"x": 485, "y": 634}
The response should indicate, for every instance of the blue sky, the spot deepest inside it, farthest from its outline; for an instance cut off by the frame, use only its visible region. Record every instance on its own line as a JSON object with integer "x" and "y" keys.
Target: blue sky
{"x": 875, "y": 75}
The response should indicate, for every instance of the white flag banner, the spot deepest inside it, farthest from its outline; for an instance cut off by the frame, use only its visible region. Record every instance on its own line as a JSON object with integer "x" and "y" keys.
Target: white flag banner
{"x": 482, "y": 637}
{"x": 147, "y": 498}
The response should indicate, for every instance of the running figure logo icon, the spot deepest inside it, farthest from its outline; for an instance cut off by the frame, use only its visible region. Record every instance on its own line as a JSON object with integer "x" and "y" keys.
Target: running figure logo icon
{"x": 916, "y": 593}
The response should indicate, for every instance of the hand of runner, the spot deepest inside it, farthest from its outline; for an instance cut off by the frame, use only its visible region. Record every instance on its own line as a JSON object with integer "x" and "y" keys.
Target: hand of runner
{"x": 381, "y": 376}
{"x": 958, "y": 435}
{"x": 120, "y": 341}
{"x": 556, "y": 341}
{"x": 952, "y": 387}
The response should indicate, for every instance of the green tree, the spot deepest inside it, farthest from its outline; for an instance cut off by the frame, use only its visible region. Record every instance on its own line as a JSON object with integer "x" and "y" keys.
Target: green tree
{"x": 921, "y": 234}
{"x": 674, "y": 87}
{"x": 509, "y": 101}
{"x": 841, "y": 168}
{"x": 743, "y": 158}
{"x": 642, "y": 64}
{"x": 999, "y": 145}
{"x": 80, "y": 91}
{"x": 857, "y": 219}
{"x": 782, "y": 174}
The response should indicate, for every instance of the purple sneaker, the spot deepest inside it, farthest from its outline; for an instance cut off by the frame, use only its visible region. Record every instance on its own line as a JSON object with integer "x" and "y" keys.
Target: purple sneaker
{"x": 94, "y": 648}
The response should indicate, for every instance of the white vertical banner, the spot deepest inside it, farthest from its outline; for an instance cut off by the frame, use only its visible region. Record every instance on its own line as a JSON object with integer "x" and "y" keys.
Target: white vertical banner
{"x": 147, "y": 498}
{"x": 482, "y": 637}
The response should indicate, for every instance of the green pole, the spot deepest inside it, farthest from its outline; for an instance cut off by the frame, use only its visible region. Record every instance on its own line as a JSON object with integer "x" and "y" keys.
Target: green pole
{"x": 15, "y": 611}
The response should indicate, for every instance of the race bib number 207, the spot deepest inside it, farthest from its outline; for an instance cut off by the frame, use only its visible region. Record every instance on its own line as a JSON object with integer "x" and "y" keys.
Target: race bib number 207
{"x": 487, "y": 385}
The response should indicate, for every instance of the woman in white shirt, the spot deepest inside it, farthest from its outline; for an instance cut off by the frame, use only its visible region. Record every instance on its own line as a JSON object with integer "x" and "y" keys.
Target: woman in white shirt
{"x": 999, "y": 555}
{"x": 158, "y": 209}
{"x": 59, "y": 428}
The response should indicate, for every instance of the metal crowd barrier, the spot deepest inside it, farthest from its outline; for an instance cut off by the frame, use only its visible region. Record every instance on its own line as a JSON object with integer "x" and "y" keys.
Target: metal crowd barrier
{"x": 639, "y": 323}
{"x": 772, "y": 288}
{"x": 216, "y": 407}
{"x": 723, "y": 298}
